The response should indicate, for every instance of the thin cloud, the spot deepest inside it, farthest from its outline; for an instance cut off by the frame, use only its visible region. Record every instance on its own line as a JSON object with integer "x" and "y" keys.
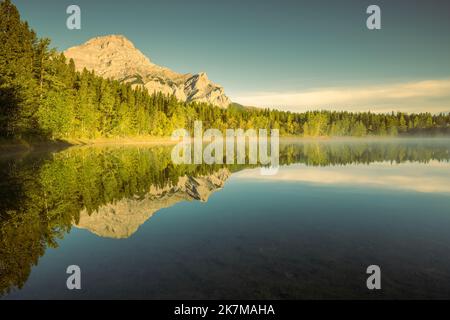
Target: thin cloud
{"x": 426, "y": 178}
{"x": 422, "y": 96}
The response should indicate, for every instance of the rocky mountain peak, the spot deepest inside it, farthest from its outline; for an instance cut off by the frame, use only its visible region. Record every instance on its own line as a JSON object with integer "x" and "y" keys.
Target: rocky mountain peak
{"x": 116, "y": 57}
{"x": 115, "y": 40}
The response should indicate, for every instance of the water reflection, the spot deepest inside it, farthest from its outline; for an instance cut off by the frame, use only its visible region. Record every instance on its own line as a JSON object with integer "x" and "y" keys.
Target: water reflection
{"x": 120, "y": 219}
{"x": 433, "y": 177}
{"x": 111, "y": 191}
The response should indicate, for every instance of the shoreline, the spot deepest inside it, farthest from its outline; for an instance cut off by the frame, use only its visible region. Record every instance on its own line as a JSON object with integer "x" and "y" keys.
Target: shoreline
{"x": 8, "y": 147}
{"x": 122, "y": 141}
{"x": 12, "y": 147}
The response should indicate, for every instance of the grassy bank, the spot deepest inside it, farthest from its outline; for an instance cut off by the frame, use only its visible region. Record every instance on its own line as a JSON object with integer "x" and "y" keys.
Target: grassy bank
{"x": 122, "y": 140}
{"x": 8, "y": 146}
{"x": 11, "y": 146}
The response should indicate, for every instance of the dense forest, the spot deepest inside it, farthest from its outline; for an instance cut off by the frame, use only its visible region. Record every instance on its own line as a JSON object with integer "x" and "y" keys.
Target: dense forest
{"x": 43, "y": 96}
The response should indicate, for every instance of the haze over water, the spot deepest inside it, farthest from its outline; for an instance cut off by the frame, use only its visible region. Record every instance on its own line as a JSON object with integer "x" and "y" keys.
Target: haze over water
{"x": 140, "y": 227}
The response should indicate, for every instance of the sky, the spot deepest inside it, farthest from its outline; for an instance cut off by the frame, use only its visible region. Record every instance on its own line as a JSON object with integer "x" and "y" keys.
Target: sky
{"x": 291, "y": 55}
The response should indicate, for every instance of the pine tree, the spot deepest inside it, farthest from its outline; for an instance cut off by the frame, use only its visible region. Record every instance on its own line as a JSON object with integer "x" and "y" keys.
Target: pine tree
{"x": 17, "y": 82}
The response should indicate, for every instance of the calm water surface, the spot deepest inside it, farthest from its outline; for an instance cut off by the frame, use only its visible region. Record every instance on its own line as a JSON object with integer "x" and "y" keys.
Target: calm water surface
{"x": 140, "y": 227}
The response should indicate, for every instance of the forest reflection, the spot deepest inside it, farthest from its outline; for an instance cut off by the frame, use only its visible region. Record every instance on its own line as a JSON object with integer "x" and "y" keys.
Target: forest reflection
{"x": 44, "y": 195}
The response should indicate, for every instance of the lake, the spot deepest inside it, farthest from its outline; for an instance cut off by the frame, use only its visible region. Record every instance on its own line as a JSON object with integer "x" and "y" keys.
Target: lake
{"x": 140, "y": 227}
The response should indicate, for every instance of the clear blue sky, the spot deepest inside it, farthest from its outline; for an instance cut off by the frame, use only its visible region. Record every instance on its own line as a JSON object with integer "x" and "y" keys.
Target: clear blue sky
{"x": 276, "y": 46}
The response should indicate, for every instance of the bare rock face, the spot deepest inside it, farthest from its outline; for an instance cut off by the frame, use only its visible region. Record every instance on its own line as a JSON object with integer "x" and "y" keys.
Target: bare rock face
{"x": 121, "y": 219}
{"x": 117, "y": 58}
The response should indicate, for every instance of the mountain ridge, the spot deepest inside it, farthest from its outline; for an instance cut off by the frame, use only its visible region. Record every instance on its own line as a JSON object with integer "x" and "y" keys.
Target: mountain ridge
{"x": 116, "y": 57}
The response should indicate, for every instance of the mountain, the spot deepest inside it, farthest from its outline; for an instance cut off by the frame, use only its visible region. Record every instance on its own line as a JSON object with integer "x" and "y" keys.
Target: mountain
{"x": 115, "y": 57}
{"x": 122, "y": 218}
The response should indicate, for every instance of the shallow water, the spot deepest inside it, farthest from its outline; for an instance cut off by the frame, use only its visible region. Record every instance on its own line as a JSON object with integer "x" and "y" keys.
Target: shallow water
{"x": 140, "y": 227}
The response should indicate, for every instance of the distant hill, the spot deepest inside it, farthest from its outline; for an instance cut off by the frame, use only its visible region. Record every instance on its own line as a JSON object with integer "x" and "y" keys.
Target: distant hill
{"x": 241, "y": 107}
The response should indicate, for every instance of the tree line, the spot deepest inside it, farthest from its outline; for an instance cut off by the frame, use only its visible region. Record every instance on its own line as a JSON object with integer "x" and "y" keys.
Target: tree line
{"x": 42, "y": 95}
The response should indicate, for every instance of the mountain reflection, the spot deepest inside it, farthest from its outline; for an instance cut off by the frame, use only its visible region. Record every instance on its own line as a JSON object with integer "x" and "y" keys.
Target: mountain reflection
{"x": 120, "y": 219}
{"x": 111, "y": 191}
